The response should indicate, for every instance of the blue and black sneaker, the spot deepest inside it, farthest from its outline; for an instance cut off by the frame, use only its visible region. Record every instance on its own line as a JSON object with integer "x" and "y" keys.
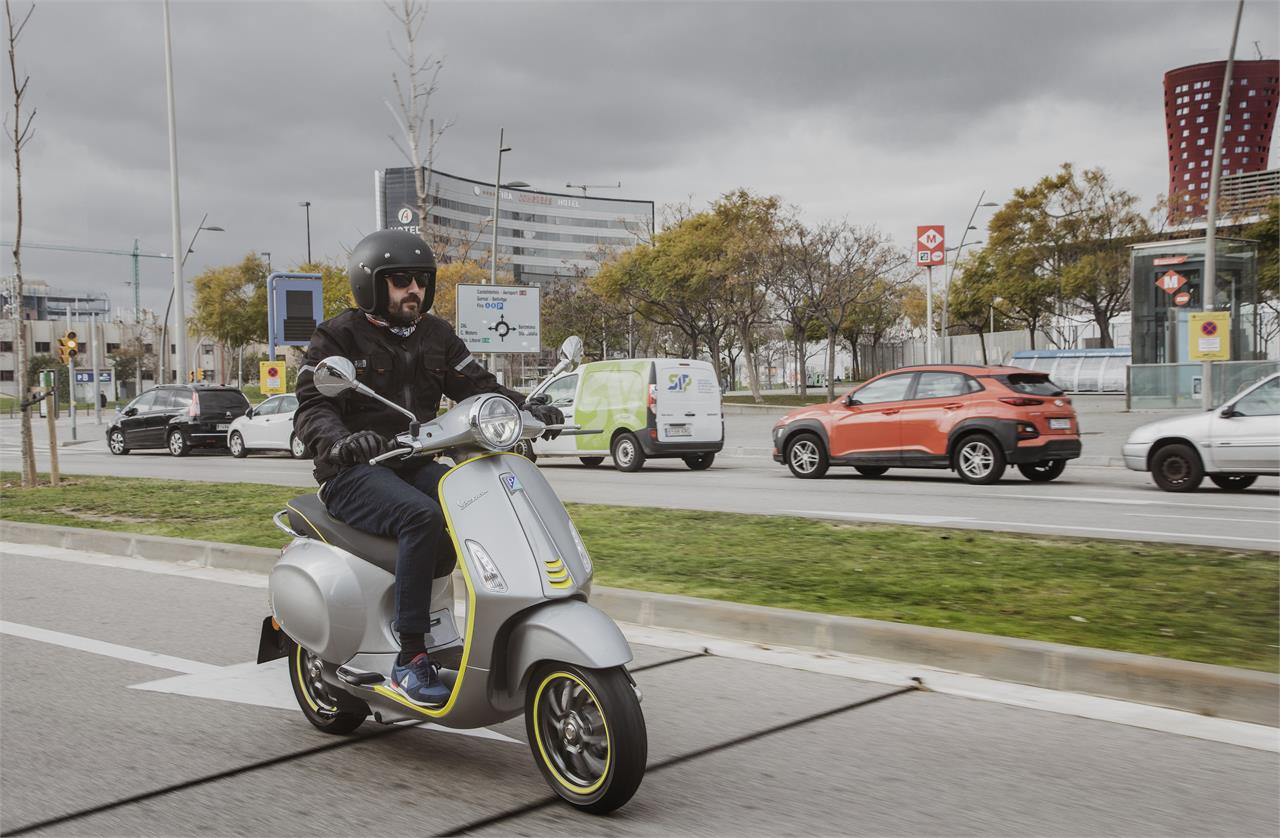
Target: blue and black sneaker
{"x": 418, "y": 682}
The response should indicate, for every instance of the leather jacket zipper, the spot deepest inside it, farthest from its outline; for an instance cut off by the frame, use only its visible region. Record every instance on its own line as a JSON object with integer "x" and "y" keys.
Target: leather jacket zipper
{"x": 408, "y": 380}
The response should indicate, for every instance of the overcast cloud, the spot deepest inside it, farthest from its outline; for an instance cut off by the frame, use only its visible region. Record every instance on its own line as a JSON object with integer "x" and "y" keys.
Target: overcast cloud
{"x": 892, "y": 114}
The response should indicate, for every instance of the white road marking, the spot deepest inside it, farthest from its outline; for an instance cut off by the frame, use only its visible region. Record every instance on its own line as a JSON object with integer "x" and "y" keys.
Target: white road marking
{"x": 100, "y": 647}
{"x": 1046, "y": 529}
{"x": 1162, "y": 719}
{"x": 1272, "y": 521}
{"x": 875, "y": 516}
{"x": 1116, "y": 501}
{"x": 265, "y": 685}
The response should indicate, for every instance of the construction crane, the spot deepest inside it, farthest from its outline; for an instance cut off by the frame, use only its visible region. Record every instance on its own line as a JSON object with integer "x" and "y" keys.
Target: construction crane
{"x": 135, "y": 253}
{"x": 585, "y": 186}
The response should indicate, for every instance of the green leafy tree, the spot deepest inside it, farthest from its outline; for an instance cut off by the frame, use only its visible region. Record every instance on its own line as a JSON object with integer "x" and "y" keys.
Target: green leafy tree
{"x": 1063, "y": 245}
{"x": 231, "y": 303}
{"x": 973, "y": 295}
{"x": 1267, "y": 233}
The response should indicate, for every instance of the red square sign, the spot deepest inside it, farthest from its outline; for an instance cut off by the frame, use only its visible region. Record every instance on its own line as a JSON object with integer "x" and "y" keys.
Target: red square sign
{"x": 930, "y": 245}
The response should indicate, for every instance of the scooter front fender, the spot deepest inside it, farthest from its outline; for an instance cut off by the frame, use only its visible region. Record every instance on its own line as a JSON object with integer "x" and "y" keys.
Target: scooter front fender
{"x": 566, "y": 631}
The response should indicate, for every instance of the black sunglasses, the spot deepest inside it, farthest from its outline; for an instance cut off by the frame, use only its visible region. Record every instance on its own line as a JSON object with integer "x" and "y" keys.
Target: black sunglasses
{"x": 404, "y": 280}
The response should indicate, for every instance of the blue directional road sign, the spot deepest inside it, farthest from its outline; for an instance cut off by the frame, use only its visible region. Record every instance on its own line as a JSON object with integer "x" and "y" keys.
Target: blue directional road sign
{"x": 295, "y": 303}
{"x": 84, "y": 377}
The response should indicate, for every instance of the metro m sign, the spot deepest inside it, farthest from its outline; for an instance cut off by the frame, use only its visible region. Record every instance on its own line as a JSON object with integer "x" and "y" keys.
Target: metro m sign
{"x": 930, "y": 245}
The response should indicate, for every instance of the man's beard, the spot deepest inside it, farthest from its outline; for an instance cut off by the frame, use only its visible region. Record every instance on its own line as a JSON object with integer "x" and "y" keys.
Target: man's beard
{"x": 397, "y": 315}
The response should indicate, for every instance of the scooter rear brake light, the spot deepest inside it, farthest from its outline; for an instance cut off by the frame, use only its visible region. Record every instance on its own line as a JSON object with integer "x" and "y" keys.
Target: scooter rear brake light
{"x": 1020, "y": 401}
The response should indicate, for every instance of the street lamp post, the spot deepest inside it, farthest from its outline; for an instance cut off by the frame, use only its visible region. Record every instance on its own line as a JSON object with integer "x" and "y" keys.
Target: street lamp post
{"x": 307, "y": 206}
{"x": 164, "y": 328}
{"x": 946, "y": 293}
{"x": 497, "y": 203}
{"x": 176, "y": 219}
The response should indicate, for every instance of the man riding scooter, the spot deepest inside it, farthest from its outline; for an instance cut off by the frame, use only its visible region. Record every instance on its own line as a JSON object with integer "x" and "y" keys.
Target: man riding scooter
{"x": 412, "y": 358}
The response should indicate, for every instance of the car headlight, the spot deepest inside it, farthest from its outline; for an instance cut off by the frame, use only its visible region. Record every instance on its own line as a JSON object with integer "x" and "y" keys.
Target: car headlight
{"x": 490, "y": 576}
{"x": 496, "y": 422}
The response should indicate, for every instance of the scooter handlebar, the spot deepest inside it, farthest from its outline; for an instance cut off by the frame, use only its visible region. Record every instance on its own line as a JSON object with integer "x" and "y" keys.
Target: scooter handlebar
{"x": 395, "y": 452}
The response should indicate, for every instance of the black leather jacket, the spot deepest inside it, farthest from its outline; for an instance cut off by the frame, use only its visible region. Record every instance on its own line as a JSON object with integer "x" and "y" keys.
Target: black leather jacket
{"x": 413, "y": 372}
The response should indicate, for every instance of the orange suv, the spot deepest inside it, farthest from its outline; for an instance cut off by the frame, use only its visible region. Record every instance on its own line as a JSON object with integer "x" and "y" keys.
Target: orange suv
{"x": 975, "y": 420}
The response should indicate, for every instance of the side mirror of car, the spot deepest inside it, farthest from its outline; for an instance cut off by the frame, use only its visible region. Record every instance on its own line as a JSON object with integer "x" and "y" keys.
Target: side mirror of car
{"x": 132, "y": 411}
{"x": 541, "y": 398}
{"x": 1228, "y": 413}
{"x": 850, "y": 401}
{"x": 248, "y": 414}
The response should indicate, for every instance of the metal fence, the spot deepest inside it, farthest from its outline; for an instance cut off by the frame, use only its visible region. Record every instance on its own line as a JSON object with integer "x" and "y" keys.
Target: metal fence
{"x": 1160, "y": 386}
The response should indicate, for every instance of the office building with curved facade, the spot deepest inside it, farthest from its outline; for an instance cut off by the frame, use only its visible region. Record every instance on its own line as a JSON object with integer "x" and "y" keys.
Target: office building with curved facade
{"x": 1191, "y": 98}
{"x": 542, "y": 236}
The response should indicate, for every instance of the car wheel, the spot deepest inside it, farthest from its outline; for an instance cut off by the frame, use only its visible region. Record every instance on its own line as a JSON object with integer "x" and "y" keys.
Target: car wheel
{"x": 627, "y": 454}
{"x": 525, "y": 449}
{"x": 115, "y": 442}
{"x": 178, "y": 444}
{"x": 699, "y": 462}
{"x": 1043, "y": 472}
{"x": 236, "y": 443}
{"x": 591, "y": 461}
{"x": 1177, "y": 468}
{"x": 806, "y": 457}
{"x": 1233, "y": 482}
{"x": 297, "y": 447}
{"x": 871, "y": 471}
{"x": 979, "y": 460}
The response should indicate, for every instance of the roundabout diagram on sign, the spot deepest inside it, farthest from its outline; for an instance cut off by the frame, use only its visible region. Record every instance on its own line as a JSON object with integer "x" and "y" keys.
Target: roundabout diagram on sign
{"x": 501, "y": 327}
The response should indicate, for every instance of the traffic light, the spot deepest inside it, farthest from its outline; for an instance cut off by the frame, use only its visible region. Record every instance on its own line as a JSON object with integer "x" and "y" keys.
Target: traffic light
{"x": 68, "y": 347}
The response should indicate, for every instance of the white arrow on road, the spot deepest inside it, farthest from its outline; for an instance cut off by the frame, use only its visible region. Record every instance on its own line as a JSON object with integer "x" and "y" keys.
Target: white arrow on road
{"x": 263, "y": 685}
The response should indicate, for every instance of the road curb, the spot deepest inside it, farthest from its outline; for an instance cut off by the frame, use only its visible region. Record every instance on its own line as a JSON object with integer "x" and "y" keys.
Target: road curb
{"x": 1225, "y": 692}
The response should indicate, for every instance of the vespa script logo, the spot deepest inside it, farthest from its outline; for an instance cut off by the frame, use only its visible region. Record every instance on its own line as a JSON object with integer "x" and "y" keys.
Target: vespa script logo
{"x": 679, "y": 382}
{"x": 471, "y": 500}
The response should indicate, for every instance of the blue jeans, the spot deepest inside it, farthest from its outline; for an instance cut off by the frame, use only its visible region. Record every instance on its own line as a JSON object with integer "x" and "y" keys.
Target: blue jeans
{"x": 404, "y": 505}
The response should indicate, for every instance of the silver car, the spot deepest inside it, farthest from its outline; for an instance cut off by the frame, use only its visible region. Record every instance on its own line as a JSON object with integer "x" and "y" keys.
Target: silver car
{"x": 1231, "y": 444}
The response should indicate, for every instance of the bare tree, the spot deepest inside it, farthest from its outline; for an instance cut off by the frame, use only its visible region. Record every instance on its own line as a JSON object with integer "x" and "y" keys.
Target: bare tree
{"x": 21, "y": 134}
{"x": 415, "y": 84}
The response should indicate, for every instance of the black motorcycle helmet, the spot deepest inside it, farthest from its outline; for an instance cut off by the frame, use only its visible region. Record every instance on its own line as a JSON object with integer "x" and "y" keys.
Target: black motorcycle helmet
{"x": 380, "y": 253}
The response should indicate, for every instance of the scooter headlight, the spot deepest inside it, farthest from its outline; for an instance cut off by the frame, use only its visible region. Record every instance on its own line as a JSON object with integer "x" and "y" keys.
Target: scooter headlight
{"x": 496, "y": 422}
{"x": 490, "y": 576}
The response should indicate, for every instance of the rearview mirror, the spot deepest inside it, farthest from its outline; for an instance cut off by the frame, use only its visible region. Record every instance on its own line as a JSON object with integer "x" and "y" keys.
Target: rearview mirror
{"x": 571, "y": 349}
{"x": 850, "y": 401}
{"x": 335, "y": 375}
{"x": 132, "y": 411}
{"x": 541, "y": 398}
{"x": 248, "y": 414}
{"x": 1228, "y": 412}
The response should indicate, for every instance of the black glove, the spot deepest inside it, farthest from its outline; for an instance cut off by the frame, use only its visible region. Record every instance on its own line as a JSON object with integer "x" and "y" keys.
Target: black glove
{"x": 357, "y": 448}
{"x": 547, "y": 415}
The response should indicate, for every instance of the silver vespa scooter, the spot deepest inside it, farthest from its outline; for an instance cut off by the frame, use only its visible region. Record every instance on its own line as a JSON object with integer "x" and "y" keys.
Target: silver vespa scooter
{"x": 530, "y": 642}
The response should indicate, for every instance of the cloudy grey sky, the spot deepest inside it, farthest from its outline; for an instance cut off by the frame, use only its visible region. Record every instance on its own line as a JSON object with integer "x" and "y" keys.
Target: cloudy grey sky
{"x": 892, "y": 114}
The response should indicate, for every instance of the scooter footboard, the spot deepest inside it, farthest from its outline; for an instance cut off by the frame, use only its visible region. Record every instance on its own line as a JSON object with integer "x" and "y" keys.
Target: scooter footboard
{"x": 569, "y": 631}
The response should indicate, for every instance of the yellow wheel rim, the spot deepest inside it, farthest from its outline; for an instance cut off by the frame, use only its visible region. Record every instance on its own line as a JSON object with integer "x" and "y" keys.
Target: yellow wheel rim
{"x": 571, "y": 729}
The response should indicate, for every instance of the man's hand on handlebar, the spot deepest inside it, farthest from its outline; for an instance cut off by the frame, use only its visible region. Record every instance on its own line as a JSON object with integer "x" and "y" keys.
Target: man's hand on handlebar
{"x": 359, "y": 447}
{"x": 547, "y": 415}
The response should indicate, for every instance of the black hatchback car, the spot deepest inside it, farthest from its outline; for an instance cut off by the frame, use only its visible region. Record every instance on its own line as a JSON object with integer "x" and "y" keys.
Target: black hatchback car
{"x": 178, "y": 417}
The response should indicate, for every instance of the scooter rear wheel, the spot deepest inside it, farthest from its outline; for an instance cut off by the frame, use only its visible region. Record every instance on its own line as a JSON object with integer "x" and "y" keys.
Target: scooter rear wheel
{"x": 587, "y": 734}
{"x": 331, "y": 713}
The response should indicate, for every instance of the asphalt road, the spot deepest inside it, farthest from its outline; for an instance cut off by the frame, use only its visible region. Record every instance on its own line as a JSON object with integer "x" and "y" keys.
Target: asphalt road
{"x": 130, "y": 707}
{"x": 1087, "y": 501}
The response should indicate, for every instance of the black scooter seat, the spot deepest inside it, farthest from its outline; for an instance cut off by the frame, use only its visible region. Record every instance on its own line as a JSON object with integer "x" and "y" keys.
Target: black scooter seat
{"x": 307, "y": 516}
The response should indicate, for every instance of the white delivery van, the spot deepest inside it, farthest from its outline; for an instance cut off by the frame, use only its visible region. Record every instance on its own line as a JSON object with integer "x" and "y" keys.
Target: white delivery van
{"x": 645, "y": 408}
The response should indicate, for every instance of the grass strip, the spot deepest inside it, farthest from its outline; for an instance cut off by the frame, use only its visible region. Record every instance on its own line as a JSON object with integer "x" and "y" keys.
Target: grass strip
{"x": 1193, "y": 603}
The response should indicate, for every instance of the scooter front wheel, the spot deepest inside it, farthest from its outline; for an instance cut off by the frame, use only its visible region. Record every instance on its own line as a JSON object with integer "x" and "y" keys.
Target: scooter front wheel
{"x": 331, "y": 713}
{"x": 587, "y": 734}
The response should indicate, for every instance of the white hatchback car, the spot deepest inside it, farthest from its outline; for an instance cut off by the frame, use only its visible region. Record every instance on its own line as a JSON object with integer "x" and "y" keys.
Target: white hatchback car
{"x": 269, "y": 426}
{"x": 1232, "y": 444}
